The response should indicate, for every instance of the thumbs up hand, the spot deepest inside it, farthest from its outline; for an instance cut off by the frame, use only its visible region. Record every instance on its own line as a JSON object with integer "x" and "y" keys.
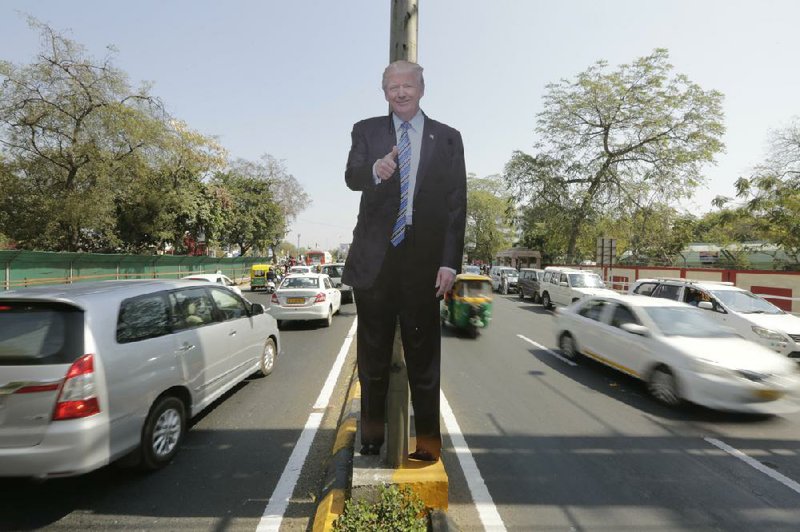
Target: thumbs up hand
{"x": 386, "y": 166}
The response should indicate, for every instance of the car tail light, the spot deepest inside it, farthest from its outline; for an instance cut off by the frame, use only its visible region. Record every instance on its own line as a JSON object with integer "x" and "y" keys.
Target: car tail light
{"x": 274, "y": 298}
{"x": 77, "y": 397}
{"x": 320, "y": 298}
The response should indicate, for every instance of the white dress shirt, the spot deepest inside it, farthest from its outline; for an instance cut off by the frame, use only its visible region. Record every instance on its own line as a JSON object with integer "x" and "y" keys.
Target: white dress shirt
{"x": 415, "y": 139}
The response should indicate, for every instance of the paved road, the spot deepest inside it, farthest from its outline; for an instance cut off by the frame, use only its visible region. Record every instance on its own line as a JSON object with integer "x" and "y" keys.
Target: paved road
{"x": 559, "y": 448}
{"x": 228, "y": 467}
{"x": 585, "y": 448}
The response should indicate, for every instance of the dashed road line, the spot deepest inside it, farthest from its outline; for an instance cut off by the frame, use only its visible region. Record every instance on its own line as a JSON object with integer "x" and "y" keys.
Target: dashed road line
{"x": 549, "y": 351}
{"x": 487, "y": 511}
{"x": 755, "y": 464}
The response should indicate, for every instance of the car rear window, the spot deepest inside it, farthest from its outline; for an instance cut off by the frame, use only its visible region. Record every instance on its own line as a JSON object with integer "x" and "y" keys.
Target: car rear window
{"x": 39, "y": 333}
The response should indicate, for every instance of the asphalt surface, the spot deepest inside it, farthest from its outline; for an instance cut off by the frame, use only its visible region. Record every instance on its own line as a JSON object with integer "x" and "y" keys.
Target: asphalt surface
{"x": 585, "y": 447}
{"x": 558, "y": 447}
{"x": 230, "y": 462}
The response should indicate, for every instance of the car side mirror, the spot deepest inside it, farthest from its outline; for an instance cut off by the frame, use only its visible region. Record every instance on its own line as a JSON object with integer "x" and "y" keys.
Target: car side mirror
{"x": 635, "y": 328}
{"x": 705, "y": 305}
{"x": 257, "y": 309}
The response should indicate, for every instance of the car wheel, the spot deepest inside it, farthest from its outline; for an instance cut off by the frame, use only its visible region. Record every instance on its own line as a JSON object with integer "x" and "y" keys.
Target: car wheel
{"x": 663, "y": 386}
{"x": 329, "y": 319}
{"x": 568, "y": 346}
{"x": 267, "y": 361}
{"x": 546, "y": 303}
{"x": 163, "y": 432}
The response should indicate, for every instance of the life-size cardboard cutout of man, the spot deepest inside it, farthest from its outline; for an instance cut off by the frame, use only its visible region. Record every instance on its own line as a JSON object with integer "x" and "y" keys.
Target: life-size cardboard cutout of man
{"x": 407, "y": 248}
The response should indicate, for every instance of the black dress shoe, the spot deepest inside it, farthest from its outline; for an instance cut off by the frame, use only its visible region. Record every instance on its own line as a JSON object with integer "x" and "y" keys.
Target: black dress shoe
{"x": 370, "y": 449}
{"x": 423, "y": 456}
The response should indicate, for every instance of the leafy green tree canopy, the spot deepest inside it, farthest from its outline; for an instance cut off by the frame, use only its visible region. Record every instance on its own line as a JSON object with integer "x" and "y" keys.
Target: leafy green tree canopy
{"x": 488, "y": 225}
{"x": 611, "y": 140}
{"x": 69, "y": 124}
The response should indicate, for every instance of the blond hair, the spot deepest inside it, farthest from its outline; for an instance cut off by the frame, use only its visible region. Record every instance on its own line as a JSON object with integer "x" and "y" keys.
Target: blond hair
{"x": 403, "y": 67}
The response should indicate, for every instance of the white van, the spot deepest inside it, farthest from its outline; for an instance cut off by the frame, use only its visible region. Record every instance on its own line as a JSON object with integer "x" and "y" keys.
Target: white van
{"x": 92, "y": 372}
{"x": 748, "y": 314}
{"x": 563, "y": 286}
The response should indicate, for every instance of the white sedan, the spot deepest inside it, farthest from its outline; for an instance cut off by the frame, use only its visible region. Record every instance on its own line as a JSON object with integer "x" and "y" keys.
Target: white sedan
{"x": 309, "y": 296}
{"x": 218, "y": 278}
{"x": 680, "y": 353}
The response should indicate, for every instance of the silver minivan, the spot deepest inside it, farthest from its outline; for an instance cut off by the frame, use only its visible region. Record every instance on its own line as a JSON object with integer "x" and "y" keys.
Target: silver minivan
{"x": 92, "y": 372}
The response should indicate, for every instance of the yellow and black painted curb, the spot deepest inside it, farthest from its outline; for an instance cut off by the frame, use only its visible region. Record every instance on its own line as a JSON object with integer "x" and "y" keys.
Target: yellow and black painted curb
{"x": 337, "y": 475}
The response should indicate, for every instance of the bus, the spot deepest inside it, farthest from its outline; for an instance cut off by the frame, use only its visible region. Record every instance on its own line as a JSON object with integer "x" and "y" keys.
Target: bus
{"x": 318, "y": 258}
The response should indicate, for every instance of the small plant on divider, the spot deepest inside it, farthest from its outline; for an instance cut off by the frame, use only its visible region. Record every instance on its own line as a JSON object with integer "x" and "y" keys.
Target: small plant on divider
{"x": 397, "y": 510}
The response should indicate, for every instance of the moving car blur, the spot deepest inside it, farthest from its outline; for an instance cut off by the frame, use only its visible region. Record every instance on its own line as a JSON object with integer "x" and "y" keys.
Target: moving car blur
{"x": 680, "y": 353}
{"x": 749, "y": 314}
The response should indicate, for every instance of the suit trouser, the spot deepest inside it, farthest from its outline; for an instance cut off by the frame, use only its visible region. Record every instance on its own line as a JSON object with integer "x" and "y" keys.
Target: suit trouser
{"x": 394, "y": 295}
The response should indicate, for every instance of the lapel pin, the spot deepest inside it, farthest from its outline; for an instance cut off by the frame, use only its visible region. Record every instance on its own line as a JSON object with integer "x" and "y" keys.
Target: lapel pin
{"x": 431, "y": 136}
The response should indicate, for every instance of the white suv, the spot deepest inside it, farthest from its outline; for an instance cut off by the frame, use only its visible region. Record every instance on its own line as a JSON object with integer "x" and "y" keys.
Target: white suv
{"x": 564, "y": 286}
{"x": 504, "y": 278}
{"x": 748, "y": 314}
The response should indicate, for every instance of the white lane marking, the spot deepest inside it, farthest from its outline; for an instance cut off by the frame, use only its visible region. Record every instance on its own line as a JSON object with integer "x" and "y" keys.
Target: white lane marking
{"x": 333, "y": 376}
{"x": 487, "y": 511}
{"x": 278, "y": 502}
{"x": 786, "y": 481}
{"x": 543, "y": 348}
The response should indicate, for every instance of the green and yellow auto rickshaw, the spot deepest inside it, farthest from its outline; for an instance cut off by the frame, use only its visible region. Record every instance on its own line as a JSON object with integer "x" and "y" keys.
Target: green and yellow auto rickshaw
{"x": 260, "y": 278}
{"x": 468, "y": 305}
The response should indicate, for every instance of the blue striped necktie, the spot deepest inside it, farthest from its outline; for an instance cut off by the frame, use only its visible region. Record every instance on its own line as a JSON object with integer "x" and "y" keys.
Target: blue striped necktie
{"x": 404, "y": 158}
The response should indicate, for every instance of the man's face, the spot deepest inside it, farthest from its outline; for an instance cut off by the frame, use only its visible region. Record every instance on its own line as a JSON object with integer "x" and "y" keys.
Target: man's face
{"x": 403, "y": 94}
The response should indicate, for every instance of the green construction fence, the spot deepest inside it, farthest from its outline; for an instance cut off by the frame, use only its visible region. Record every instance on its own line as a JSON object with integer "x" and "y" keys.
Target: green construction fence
{"x": 21, "y": 269}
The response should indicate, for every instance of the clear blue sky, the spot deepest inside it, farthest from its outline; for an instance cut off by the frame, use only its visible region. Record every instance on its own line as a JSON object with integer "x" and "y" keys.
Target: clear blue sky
{"x": 289, "y": 78}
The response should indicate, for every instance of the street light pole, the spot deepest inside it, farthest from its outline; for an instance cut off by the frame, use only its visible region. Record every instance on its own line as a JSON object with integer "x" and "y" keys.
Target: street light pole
{"x": 402, "y": 45}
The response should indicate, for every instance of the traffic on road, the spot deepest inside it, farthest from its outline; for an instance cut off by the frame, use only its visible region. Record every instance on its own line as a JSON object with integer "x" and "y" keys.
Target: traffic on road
{"x": 610, "y": 412}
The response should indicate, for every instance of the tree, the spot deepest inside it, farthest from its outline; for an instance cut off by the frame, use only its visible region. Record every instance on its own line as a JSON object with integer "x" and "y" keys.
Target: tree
{"x": 609, "y": 139}
{"x": 252, "y": 216}
{"x": 772, "y": 192}
{"x": 69, "y": 125}
{"x": 289, "y": 194}
{"x": 169, "y": 195}
{"x": 488, "y": 225}
{"x": 652, "y": 234}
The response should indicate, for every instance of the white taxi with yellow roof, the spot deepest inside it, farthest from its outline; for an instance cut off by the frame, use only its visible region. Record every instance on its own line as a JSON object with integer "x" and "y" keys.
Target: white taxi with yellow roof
{"x": 680, "y": 353}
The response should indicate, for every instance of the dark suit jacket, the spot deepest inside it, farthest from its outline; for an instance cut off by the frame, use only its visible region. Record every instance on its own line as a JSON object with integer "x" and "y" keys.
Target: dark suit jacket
{"x": 440, "y": 201}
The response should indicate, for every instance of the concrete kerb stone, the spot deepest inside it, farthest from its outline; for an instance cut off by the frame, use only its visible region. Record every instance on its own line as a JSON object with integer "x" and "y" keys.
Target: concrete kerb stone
{"x": 339, "y": 470}
{"x": 356, "y": 476}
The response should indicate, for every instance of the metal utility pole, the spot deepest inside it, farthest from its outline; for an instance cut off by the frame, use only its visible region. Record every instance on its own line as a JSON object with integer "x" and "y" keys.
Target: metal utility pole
{"x": 403, "y": 36}
{"x": 402, "y": 45}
